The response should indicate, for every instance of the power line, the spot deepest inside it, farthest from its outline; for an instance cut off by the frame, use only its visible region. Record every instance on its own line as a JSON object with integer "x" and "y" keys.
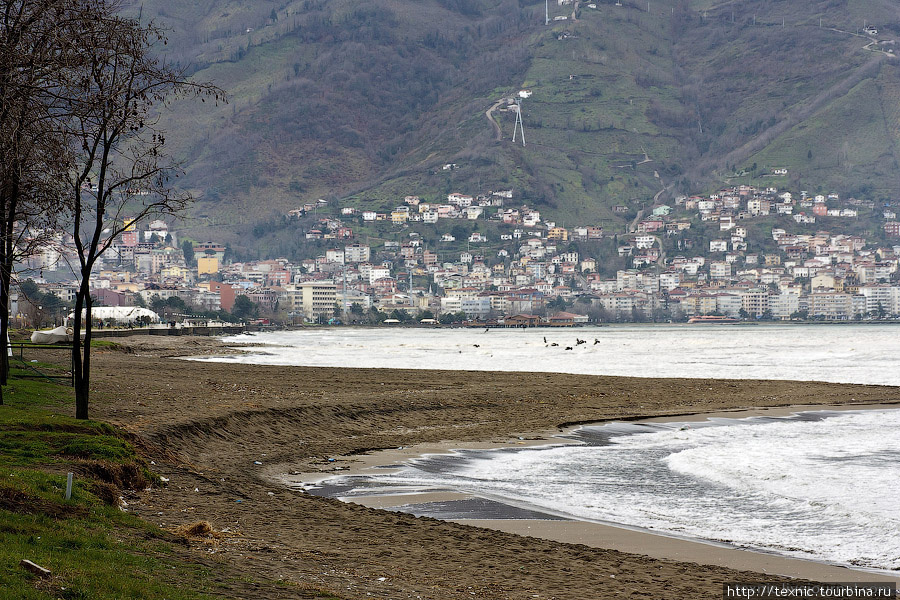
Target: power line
{"x": 519, "y": 124}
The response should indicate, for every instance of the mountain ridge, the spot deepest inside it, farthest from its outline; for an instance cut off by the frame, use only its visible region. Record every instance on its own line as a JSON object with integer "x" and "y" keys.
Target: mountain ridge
{"x": 343, "y": 101}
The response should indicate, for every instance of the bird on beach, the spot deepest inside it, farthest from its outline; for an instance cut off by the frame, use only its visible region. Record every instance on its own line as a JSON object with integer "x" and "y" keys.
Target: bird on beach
{"x": 545, "y": 339}
{"x": 568, "y": 347}
{"x": 554, "y": 344}
{"x": 477, "y": 345}
{"x": 596, "y": 341}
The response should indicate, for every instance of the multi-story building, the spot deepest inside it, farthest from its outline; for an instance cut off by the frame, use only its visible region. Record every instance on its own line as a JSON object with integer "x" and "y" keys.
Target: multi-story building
{"x": 784, "y": 305}
{"x": 318, "y": 299}
{"x": 314, "y": 299}
{"x": 336, "y": 256}
{"x": 879, "y": 299}
{"x": 729, "y": 304}
{"x": 755, "y": 302}
{"x": 832, "y": 306}
{"x": 479, "y": 306}
{"x": 719, "y": 270}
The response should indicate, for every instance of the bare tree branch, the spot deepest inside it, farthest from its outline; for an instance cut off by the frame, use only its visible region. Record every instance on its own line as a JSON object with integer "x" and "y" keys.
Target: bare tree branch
{"x": 119, "y": 149}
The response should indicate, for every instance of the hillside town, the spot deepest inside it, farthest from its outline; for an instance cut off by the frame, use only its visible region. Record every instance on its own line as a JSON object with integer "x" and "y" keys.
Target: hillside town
{"x": 740, "y": 253}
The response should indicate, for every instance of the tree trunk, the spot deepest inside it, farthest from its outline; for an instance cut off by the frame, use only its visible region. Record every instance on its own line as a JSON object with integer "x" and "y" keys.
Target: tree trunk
{"x": 4, "y": 341}
{"x": 4, "y": 323}
{"x": 81, "y": 352}
{"x": 6, "y": 261}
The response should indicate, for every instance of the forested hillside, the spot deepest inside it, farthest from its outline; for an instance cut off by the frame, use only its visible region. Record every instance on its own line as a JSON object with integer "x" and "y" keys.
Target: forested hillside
{"x": 366, "y": 101}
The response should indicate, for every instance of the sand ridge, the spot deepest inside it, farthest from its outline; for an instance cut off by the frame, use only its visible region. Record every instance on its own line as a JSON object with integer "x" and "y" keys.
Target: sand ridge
{"x": 224, "y": 433}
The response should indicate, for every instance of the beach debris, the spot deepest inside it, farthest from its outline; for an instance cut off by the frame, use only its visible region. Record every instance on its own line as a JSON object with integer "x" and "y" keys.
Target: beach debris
{"x": 164, "y": 480}
{"x": 198, "y": 529}
{"x": 196, "y": 489}
{"x": 271, "y": 493}
{"x": 34, "y": 568}
{"x": 330, "y": 460}
{"x": 382, "y": 579}
{"x": 256, "y": 462}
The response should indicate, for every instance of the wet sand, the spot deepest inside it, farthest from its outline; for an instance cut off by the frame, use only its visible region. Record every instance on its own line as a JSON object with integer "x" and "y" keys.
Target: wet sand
{"x": 224, "y": 434}
{"x": 599, "y": 535}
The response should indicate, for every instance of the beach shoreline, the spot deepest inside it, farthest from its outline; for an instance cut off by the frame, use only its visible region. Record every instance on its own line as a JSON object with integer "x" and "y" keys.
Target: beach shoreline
{"x": 609, "y": 535}
{"x": 221, "y": 432}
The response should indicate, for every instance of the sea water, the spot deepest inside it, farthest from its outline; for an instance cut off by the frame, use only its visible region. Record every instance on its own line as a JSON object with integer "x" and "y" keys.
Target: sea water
{"x": 835, "y": 353}
{"x": 820, "y": 485}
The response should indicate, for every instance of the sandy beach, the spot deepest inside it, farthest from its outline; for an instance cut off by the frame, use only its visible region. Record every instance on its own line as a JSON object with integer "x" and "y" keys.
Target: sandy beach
{"x": 224, "y": 435}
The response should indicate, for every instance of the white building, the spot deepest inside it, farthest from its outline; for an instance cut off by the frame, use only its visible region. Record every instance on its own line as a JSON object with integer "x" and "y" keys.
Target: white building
{"x": 643, "y": 242}
{"x": 357, "y": 253}
{"x": 729, "y": 305}
{"x": 719, "y": 270}
{"x": 784, "y": 305}
{"x": 376, "y": 273}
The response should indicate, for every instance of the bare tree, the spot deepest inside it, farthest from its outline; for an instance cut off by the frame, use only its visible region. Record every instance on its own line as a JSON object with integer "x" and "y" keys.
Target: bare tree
{"x": 39, "y": 46}
{"x": 120, "y": 174}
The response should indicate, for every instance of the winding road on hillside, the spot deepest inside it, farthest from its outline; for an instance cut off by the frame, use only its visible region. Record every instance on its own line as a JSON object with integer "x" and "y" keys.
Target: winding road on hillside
{"x": 489, "y": 113}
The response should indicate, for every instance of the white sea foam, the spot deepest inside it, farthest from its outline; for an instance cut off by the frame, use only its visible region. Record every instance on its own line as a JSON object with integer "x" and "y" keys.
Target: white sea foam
{"x": 843, "y": 354}
{"x": 822, "y": 489}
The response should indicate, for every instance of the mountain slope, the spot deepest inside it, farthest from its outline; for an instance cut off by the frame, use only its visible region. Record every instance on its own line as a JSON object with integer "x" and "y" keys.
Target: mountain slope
{"x": 339, "y": 99}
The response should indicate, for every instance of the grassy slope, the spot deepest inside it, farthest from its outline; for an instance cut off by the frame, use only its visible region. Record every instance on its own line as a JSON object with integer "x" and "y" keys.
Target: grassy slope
{"x": 92, "y": 548}
{"x": 848, "y": 140}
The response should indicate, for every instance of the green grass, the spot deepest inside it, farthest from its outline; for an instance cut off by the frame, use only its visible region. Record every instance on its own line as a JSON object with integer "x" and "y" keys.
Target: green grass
{"x": 848, "y": 137}
{"x": 104, "y": 344}
{"x": 92, "y": 548}
{"x": 100, "y": 554}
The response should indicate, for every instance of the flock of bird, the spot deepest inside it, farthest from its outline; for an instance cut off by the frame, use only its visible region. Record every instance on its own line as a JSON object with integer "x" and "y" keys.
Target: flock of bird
{"x": 578, "y": 342}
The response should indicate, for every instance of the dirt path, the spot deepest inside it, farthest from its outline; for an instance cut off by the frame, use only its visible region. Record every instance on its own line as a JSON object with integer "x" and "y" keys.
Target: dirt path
{"x": 489, "y": 113}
